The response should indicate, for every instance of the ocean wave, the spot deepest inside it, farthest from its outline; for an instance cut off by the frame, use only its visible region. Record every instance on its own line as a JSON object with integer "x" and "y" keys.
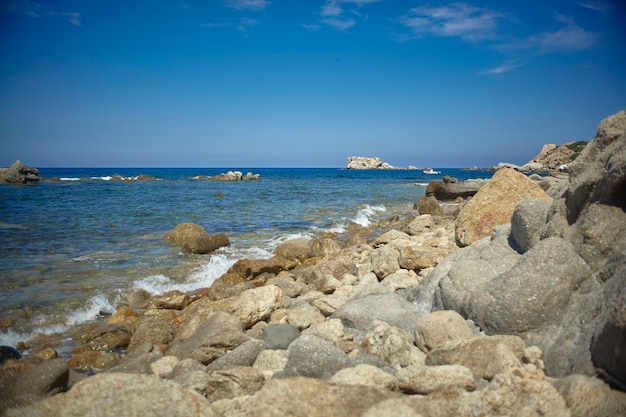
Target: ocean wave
{"x": 363, "y": 217}
{"x": 69, "y": 179}
{"x": 47, "y": 325}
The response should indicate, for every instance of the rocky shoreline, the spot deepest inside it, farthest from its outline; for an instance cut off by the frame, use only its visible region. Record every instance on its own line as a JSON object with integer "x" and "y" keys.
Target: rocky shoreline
{"x": 510, "y": 305}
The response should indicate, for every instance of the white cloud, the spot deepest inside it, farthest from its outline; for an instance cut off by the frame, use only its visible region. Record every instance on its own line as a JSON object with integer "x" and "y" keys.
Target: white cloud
{"x": 247, "y": 4}
{"x": 571, "y": 38}
{"x": 506, "y": 67}
{"x": 333, "y": 12}
{"x": 455, "y": 20}
{"x": 598, "y": 6}
{"x": 311, "y": 27}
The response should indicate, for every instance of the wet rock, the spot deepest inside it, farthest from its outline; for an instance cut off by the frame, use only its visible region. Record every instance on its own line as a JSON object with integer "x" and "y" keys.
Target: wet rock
{"x": 205, "y": 244}
{"x": 183, "y": 232}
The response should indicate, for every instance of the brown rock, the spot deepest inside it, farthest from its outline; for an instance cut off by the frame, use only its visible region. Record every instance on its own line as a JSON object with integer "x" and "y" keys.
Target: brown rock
{"x": 429, "y": 205}
{"x": 493, "y": 205}
{"x": 206, "y": 244}
{"x": 309, "y": 397}
{"x": 183, "y": 232}
{"x": 234, "y": 382}
{"x": 439, "y": 327}
{"x": 124, "y": 316}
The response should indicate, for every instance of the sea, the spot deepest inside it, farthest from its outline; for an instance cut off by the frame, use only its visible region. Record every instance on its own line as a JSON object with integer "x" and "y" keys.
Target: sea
{"x": 72, "y": 249}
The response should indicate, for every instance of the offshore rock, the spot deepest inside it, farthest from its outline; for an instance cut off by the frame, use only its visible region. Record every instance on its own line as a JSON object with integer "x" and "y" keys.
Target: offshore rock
{"x": 18, "y": 173}
{"x": 361, "y": 162}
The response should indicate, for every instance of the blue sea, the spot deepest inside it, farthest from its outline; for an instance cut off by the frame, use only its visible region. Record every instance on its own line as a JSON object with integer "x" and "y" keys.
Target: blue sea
{"x": 70, "y": 250}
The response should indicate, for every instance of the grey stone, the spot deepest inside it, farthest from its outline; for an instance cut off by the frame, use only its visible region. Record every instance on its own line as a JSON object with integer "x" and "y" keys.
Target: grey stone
{"x": 279, "y": 336}
{"x": 314, "y": 357}
{"x": 527, "y": 221}
{"x": 392, "y": 308}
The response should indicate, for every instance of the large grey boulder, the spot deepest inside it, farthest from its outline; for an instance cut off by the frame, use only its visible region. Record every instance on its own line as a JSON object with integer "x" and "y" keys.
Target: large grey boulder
{"x": 18, "y": 173}
{"x": 555, "y": 281}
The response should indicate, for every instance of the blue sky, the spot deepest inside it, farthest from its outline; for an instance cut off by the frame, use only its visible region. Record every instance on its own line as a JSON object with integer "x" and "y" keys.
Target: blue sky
{"x": 286, "y": 83}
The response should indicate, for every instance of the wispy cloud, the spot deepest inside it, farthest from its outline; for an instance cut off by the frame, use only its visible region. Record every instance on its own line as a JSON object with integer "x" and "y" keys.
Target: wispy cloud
{"x": 311, "y": 27}
{"x": 257, "y": 5}
{"x": 459, "y": 20}
{"x": 598, "y": 6}
{"x": 568, "y": 39}
{"x": 242, "y": 24}
{"x": 334, "y": 12}
{"x": 504, "y": 68}
{"x": 35, "y": 10}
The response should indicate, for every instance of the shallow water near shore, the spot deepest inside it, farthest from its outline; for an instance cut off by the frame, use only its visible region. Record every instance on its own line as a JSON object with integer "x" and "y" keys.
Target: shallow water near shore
{"x": 72, "y": 249}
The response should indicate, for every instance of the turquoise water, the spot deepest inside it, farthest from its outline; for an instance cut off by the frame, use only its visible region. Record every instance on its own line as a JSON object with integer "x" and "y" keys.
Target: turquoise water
{"x": 71, "y": 249}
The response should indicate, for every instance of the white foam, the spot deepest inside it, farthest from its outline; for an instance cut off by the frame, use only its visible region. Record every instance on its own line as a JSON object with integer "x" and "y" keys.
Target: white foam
{"x": 363, "y": 217}
{"x": 201, "y": 278}
{"x": 44, "y": 324}
{"x": 69, "y": 179}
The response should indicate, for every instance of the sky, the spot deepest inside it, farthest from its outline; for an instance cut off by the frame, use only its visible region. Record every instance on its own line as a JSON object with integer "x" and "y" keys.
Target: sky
{"x": 304, "y": 83}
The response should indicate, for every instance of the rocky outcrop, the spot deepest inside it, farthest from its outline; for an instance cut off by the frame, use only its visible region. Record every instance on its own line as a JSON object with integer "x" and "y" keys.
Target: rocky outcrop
{"x": 18, "y": 173}
{"x": 230, "y": 176}
{"x": 551, "y": 158}
{"x": 557, "y": 274}
{"x": 363, "y": 162}
{"x": 493, "y": 205}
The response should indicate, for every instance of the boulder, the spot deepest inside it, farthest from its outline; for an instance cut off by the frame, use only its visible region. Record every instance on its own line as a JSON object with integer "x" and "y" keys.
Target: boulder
{"x": 206, "y": 244}
{"x": 297, "y": 249}
{"x": 280, "y": 336}
{"x": 314, "y": 357}
{"x": 428, "y": 205}
{"x": 183, "y": 232}
{"x": 421, "y": 379}
{"x": 365, "y": 374}
{"x": 115, "y": 394}
{"x": 590, "y": 397}
{"x": 152, "y": 330}
{"x": 218, "y": 334}
{"x": 315, "y": 398}
{"x": 448, "y": 190}
{"x": 243, "y": 355}
{"x": 18, "y": 173}
{"x": 46, "y": 379}
{"x": 527, "y": 222}
{"x": 493, "y": 205}
{"x": 252, "y": 305}
{"x": 485, "y": 356}
{"x": 233, "y": 382}
{"x": 393, "y": 345}
{"x": 439, "y": 327}
{"x": 360, "y": 313}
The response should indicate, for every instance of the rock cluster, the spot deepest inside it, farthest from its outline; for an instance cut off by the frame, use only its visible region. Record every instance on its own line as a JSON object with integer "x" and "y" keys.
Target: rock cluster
{"x": 18, "y": 173}
{"x": 521, "y": 322}
{"x": 363, "y": 162}
{"x": 551, "y": 158}
{"x": 230, "y": 176}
